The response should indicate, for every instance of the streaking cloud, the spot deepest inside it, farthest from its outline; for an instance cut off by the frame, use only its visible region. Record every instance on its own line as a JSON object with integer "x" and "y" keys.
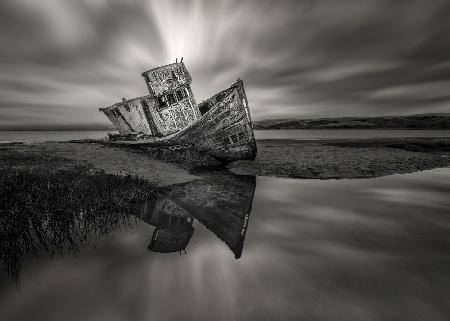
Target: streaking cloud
{"x": 60, "y": 60}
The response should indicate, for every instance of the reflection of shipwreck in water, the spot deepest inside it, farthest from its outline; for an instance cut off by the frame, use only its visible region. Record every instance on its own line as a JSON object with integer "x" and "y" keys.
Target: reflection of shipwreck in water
{"x": 222, "y": 204}
{"x": 173, "y": 227}
{"x": 220, "y": 126}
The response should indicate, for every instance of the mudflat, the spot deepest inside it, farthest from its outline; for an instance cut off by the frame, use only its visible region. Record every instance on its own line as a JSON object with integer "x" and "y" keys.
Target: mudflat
{"x": 345, "y": 158}
{"x": 109, "y": 159}
{"x": 322, "y": 159}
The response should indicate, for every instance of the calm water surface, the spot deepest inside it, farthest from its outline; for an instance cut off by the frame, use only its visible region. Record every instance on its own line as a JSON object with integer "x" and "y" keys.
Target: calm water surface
{"x": 246, "y": 248}
{"x": 40, "y": 136}
{"x": 53, "y": 135}
{"x": 347, "y": 133}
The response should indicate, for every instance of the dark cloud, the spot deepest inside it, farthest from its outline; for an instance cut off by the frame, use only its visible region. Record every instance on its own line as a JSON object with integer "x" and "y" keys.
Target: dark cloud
{"x": 61, "y": 60}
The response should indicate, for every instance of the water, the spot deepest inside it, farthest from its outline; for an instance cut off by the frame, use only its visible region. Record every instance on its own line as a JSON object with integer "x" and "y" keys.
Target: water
{"x": 54, "y": 135}
{"x": 256, "y": 249}
{"x": 39, "y": 136}
{"x": 348, "y": 133}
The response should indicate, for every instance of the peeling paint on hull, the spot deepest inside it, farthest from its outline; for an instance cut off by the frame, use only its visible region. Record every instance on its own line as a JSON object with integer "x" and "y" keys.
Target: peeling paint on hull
{"x": 220, "y": 126}
{"x": 226, "y": 130}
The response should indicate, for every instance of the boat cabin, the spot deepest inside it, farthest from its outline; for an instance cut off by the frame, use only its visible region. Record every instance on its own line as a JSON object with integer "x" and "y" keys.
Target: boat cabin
{"x": 220, "y": 126}
{"x": 169, "y": 108}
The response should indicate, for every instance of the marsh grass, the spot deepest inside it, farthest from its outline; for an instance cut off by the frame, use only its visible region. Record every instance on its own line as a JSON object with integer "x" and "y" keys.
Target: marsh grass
{"x": 54, "y": 206}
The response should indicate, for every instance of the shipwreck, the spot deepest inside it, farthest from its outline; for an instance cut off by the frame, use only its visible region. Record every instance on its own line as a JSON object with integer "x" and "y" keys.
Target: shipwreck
{"x": 220, "y": 126}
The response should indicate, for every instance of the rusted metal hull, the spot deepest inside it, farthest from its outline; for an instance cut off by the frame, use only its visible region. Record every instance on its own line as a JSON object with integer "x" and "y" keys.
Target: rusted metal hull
{"x": 225, "y": 131}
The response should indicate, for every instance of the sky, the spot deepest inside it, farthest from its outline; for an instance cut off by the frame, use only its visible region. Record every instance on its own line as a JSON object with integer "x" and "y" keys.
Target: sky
{"x": 60, "y": 60}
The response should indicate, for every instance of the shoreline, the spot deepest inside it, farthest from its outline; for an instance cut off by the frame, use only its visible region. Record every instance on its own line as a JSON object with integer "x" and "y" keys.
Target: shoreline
{"x": 319, "y": 159}
{"x": 346, "y": 158}
{"x": 107, "y": 159}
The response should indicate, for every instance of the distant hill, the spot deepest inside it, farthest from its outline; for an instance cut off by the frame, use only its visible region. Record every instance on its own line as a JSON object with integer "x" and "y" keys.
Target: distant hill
{"x": 56, "y": 128}
{"x": 422, "y": 121}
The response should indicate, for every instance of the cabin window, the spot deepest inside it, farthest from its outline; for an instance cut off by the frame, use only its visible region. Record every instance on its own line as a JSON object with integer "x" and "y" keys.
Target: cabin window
{"x": 162, "y": 102}
{"x": 171, "y": 99}
{"x": 203, "y": 108}
{"x": 180, "y": 95}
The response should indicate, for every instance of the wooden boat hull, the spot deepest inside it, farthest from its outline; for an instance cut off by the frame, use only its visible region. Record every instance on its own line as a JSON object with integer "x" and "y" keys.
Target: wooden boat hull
{"x": 225, "y": 131}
